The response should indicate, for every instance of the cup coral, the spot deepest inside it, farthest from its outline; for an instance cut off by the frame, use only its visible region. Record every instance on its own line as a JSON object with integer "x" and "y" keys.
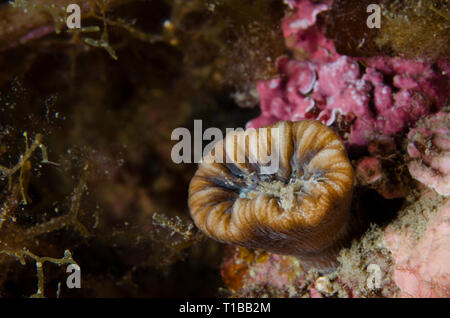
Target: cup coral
{"x": 302, "y": 209}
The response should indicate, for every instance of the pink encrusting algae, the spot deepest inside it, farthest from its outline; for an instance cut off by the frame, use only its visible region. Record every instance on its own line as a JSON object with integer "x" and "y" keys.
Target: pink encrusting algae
{"x": 377, "y": 96}
{"x": 429, "y": 148}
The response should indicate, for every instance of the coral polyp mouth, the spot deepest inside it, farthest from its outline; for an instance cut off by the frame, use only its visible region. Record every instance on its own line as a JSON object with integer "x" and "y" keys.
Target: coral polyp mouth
{"x": 288, "y": 195}
{"x": 302, "y": 208}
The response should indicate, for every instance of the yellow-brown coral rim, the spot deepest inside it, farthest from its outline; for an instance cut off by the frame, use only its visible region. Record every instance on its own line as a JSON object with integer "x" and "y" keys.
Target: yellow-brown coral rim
{"x": 302, "y": 209}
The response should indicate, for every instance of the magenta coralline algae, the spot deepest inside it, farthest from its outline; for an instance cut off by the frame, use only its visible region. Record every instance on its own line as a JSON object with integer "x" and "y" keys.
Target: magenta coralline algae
{"x": 421, "y": 266}
{"x": 374, "y": 97}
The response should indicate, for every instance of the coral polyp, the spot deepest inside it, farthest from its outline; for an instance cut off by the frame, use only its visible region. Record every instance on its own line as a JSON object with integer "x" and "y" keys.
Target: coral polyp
{"x": 302, "y": 209}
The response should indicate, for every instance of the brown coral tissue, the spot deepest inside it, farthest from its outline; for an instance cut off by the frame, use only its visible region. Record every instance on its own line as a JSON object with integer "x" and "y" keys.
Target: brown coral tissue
{"x": 301, "y": 209}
